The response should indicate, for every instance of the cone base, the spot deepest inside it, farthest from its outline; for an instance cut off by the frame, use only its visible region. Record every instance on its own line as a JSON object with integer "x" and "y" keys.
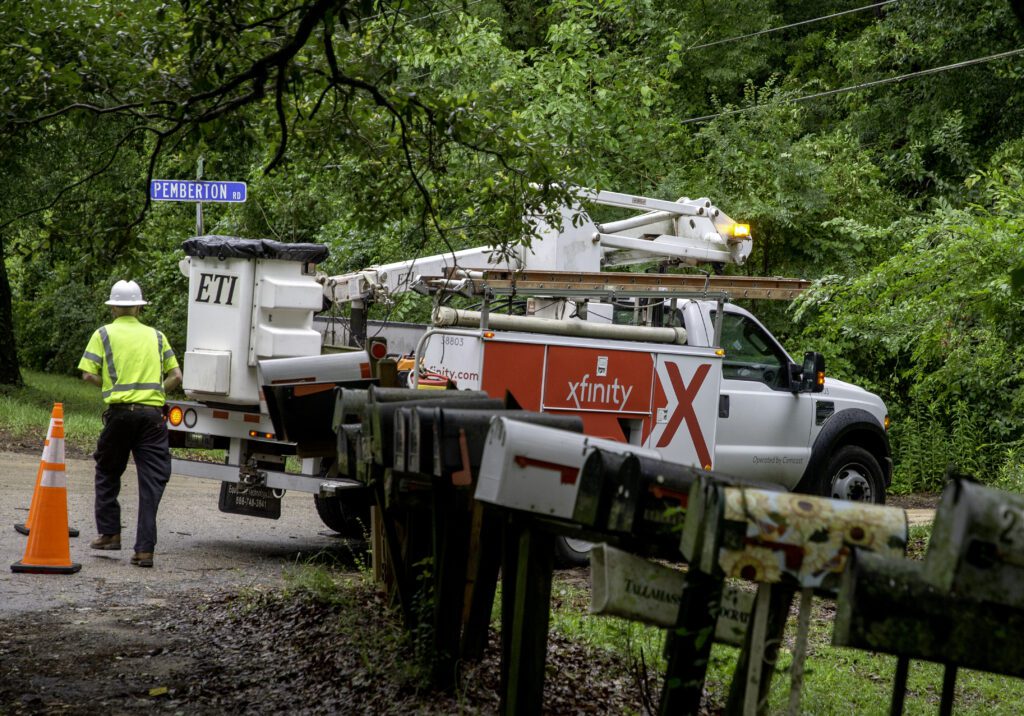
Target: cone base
{"x": 72, "y": 532}
{"x": 45, "y": 568}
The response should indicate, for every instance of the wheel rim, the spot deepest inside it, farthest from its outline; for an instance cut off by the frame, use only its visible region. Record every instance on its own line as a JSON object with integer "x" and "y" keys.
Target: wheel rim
{"x": 852, "y": 482}
{"x": 578, "y": 545}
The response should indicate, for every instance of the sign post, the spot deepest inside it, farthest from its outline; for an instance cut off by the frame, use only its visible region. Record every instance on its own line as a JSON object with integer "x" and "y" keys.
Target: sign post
{"x": 199, "y": 204}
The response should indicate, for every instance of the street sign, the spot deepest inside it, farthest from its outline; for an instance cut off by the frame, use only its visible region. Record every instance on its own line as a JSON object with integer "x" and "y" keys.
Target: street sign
{"x": 201, "y": 191}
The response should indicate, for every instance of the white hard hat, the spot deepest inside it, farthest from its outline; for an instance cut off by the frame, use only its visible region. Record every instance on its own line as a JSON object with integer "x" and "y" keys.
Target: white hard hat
{"x": 126, "y": 293}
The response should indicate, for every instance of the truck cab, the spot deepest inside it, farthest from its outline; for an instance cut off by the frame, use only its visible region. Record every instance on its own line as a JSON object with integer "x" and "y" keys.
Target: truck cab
{"x": 831, "y": 442}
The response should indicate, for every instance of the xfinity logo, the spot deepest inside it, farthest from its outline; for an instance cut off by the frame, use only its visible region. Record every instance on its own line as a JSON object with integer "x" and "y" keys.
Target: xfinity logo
{"x": 613, "y": 393}
{"x": 216, "y": 288}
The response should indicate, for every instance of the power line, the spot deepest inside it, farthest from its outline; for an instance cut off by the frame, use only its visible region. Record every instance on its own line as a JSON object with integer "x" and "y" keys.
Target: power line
{"x": 865, "y": 85}
{"x": 787, "y": 27}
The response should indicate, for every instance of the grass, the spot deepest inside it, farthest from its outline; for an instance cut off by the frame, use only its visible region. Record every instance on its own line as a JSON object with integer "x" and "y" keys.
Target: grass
{"x": 25, "y": 411}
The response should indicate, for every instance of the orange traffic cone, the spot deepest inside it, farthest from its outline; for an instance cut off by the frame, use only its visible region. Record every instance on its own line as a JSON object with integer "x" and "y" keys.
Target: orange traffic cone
{"x": 26, "y": 526}
{"x": 48, "y": 550}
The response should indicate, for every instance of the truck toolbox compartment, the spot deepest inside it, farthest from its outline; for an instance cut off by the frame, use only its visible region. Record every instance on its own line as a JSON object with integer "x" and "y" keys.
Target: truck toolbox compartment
{"x": 208, "y": 371}
{"x": 286, "y": 342}
{"x": 279, "y": 293}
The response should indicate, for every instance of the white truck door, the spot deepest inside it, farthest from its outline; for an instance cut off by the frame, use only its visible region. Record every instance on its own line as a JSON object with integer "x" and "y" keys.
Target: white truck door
{"x": 763, "y": 428}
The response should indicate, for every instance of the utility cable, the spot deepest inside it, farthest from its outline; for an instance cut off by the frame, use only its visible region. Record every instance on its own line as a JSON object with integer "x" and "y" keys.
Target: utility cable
{"x": 865, "y": 85}
{"x": 787, "y": 27}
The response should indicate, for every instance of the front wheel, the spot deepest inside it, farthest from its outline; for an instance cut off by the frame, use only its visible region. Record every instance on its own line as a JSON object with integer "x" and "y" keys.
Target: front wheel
{"x": 853, "y": 474}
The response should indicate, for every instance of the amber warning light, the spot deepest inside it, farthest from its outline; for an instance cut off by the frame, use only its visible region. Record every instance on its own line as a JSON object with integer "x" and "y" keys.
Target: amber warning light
{"x": 741, "y": 231}
{"x": 176, "y": 415}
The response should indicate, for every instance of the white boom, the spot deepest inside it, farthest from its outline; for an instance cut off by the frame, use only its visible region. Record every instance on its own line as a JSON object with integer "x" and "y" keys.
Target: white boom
{"x": 685, "y": 231}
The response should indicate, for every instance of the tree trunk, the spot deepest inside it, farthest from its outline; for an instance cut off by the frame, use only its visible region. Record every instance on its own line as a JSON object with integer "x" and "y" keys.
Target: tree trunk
{"x": 10, "y": 370}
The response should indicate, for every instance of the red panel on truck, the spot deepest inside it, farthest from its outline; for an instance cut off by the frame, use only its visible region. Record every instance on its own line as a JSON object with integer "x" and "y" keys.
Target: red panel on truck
{"x": 596, "y": 379}
{"x": 515, "y": 368}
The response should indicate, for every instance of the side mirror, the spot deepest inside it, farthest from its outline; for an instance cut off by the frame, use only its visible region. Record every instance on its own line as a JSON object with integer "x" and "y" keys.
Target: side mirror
{"x": 813, "y": 380}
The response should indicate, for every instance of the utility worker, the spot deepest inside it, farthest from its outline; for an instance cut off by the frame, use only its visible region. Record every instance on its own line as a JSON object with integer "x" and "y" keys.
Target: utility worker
{"x": 134, "y": 366}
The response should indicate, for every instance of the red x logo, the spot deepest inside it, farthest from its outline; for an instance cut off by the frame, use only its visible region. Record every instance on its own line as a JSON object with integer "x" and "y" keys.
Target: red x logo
{"x": 684, "y": 410}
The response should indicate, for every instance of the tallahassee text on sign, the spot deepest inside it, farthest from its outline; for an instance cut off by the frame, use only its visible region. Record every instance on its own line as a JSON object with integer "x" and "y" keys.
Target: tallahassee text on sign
{"x": 183, "y": 190}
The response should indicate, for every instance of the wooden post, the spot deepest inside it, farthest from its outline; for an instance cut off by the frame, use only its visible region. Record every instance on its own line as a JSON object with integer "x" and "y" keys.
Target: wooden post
{"x": 528, "y": 567}
{"x": 451, "y": 527}
{"x": 482, "y": 582}
{"x": 779, "y": 599}
{"x": 948, "y": 690}
{"x": 688, "y": 645}
{"x": 899, "y": 686}
{"x": 800, "y": 651}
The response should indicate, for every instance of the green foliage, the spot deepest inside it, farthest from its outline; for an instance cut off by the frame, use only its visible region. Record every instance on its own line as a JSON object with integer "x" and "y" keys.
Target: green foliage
{"x": 937, "y": 328}
{"x": 388, "y": 132}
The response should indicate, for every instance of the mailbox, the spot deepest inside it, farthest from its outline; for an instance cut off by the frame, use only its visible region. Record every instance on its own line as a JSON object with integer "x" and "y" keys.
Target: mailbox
{"x": 977, "y": 544}
{"x": 889, "y": 605}
{"x": 638, "y": 589}
{"x": 460, "y": 436}
{"x": 347, "y": 450}
{"x": 536, "y": 468}
{"x": 633, "y": 494}
{"x": 780, "y": 536}
{"x": 380, "y": 415}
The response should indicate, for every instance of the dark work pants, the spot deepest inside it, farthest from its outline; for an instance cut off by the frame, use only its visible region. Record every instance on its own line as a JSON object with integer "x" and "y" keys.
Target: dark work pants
{"x": 143, "y": 433}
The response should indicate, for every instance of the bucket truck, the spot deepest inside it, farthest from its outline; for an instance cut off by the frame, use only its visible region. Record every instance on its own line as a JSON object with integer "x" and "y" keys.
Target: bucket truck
{"x": 660, "y": 360}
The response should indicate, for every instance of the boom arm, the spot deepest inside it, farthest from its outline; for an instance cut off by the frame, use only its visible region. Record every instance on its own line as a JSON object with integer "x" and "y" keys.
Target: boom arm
{"x": 685, "y": 231}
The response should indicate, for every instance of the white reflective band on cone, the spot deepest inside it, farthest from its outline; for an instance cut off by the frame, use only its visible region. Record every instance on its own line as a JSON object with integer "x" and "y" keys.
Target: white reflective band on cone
{"x": 54, "y": 476}
{"x": 54, "y": 450}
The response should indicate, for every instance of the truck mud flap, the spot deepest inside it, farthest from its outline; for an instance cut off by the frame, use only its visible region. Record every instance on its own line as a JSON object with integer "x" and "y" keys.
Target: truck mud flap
{"x": 254, "y": 500}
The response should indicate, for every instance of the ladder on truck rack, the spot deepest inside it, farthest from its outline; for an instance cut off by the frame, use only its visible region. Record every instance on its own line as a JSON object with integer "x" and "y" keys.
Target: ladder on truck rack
{"x": 614, "y": 284}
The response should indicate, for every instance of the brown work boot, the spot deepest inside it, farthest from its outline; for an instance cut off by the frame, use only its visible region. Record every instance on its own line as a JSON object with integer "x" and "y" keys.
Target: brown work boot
{"x": 106, "y": 542}
{"x": 142, "y": 559}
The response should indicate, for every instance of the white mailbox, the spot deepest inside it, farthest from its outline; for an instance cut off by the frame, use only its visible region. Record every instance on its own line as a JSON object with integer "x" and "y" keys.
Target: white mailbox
{"x": 536, "y": 468}
{"x": 249, "y": 299}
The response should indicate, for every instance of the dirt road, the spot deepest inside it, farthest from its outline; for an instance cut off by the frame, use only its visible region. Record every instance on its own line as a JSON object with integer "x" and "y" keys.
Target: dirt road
{"x": 199, "y": 547}
{"x": 208, "y": 631}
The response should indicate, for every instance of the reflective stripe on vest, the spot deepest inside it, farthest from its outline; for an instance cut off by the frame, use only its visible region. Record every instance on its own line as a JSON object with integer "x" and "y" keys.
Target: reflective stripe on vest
{"x": 116, "y": 387}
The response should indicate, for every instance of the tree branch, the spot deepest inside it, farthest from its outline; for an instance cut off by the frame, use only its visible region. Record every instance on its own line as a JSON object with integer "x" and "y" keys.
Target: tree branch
{"x": 282, "y": 121}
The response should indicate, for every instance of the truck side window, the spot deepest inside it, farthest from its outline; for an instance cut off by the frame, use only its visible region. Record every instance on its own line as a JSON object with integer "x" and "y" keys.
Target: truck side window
{"x": 749, "y": 352}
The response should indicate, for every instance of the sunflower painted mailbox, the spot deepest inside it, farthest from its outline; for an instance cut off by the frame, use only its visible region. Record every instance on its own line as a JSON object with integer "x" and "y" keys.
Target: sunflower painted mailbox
{"x": 786, "y": 543}
{"x": 772, "y": 537}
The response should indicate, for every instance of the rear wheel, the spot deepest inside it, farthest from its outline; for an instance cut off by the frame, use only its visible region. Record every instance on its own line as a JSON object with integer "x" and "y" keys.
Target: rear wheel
{"x": 853, "y": 474}
{"x": 347, "y": 514}
{"x": 571, "y": 552}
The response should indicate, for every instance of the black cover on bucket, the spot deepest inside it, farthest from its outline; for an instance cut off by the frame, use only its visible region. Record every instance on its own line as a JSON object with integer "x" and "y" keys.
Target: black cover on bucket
{"x": 229, "y": 247}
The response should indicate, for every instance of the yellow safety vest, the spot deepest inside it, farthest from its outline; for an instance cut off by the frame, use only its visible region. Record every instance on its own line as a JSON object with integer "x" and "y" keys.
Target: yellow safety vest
{"x": 132, "y": 359}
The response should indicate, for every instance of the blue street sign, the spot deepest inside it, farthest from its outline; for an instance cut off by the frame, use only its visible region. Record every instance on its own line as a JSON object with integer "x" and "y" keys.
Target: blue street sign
{"x": 183, "y": 190}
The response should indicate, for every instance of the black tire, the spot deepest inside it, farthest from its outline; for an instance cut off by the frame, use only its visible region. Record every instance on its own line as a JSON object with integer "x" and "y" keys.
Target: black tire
{"x": 571, "y": 552}
{"x": 347, "y": 514}
{"x": 852, "y": 473}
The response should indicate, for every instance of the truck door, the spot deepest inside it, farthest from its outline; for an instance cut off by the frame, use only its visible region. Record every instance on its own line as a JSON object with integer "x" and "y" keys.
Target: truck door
{"x": 763, "y": 428}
